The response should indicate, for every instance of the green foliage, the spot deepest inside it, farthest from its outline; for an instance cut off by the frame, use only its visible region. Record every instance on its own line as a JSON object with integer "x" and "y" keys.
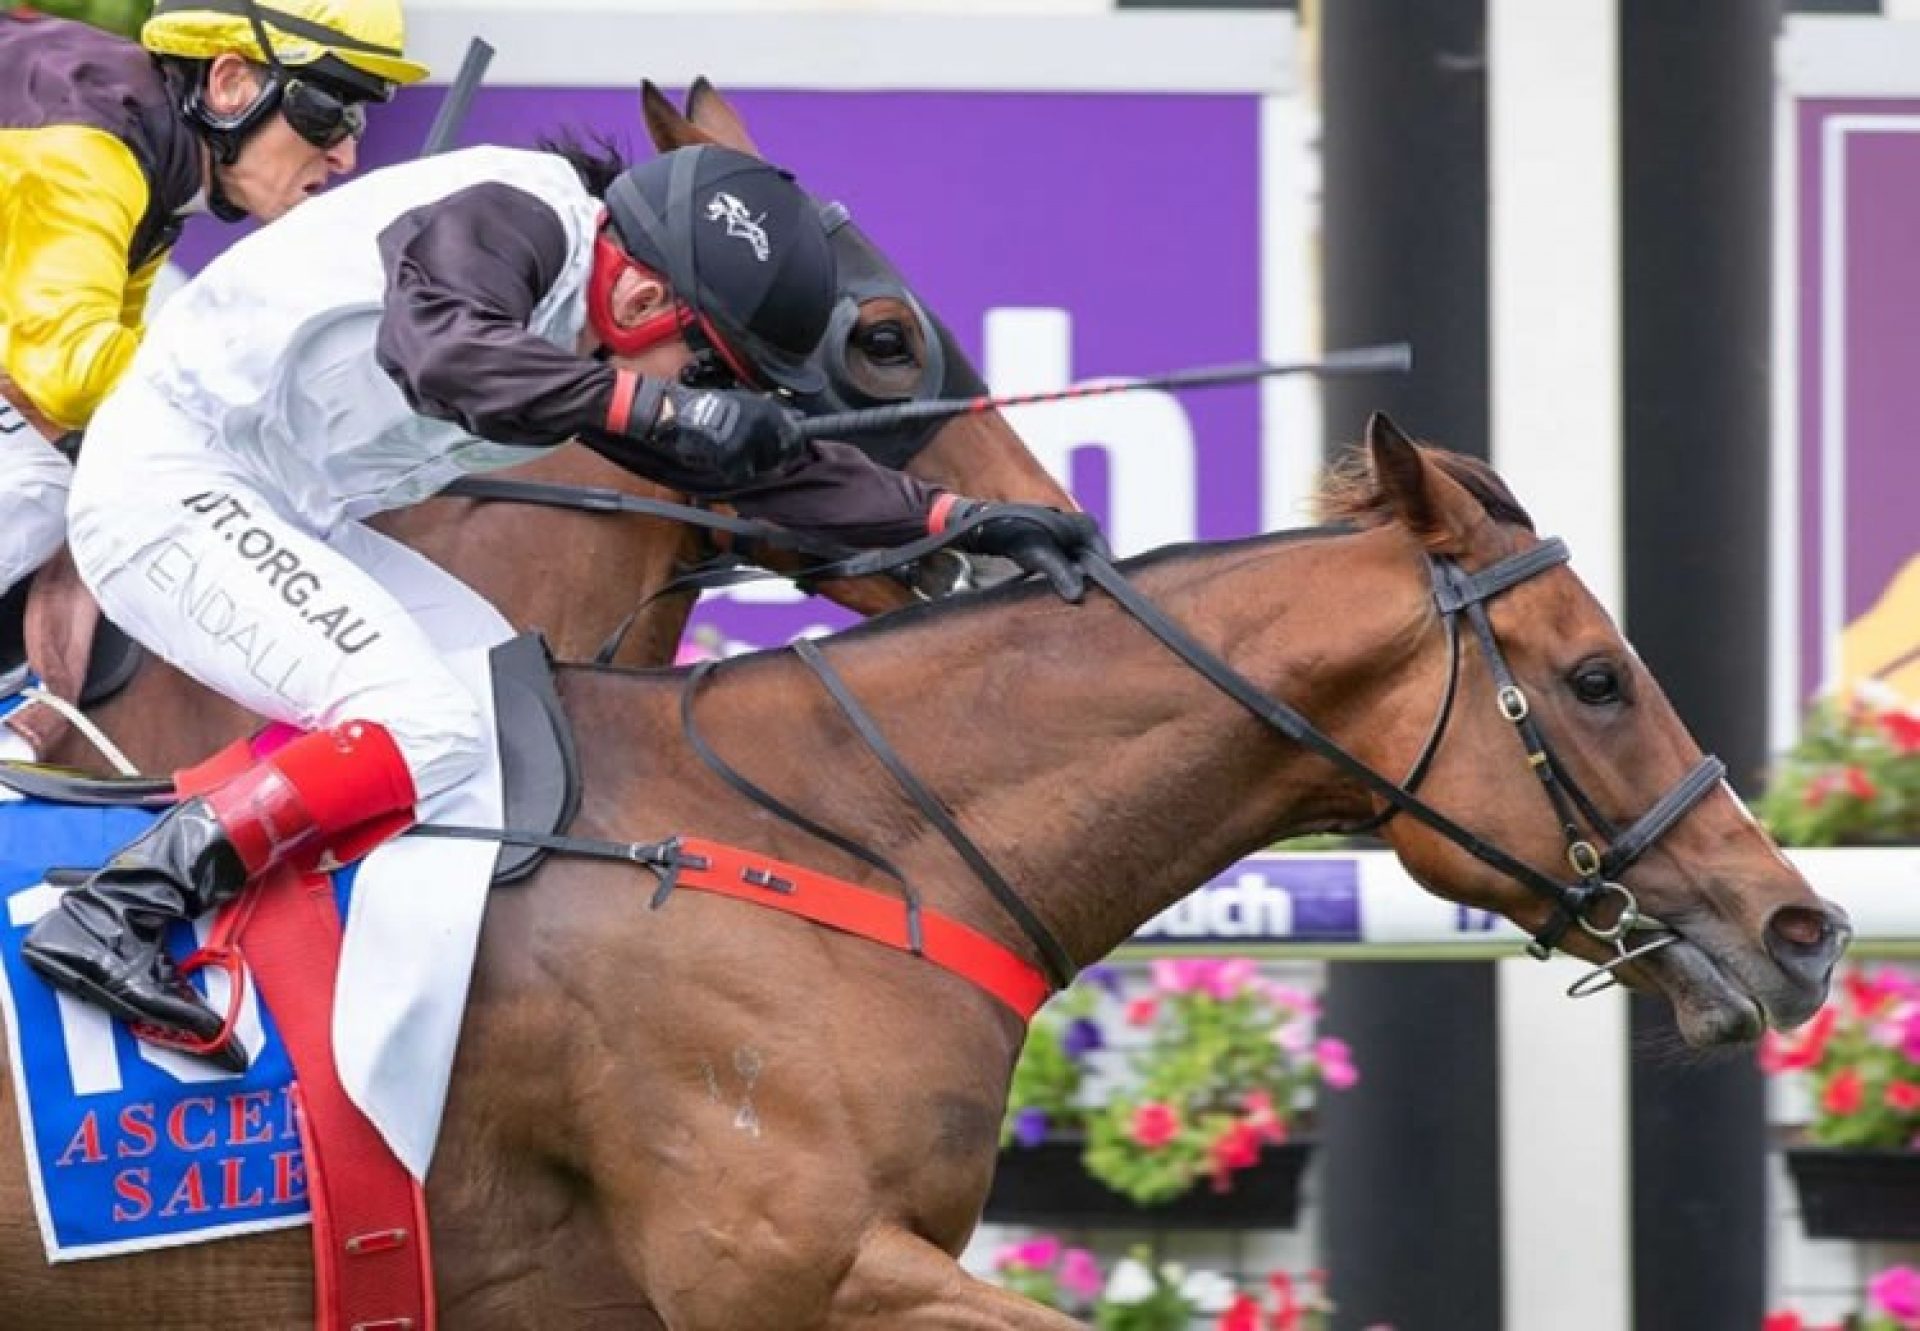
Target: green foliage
{"x": 121, "y": 16}
{"x": 1853, "y": 778}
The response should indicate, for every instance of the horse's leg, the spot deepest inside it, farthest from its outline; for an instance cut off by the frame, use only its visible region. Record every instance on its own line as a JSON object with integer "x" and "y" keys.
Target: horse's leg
{"x": 902, "y": 1282}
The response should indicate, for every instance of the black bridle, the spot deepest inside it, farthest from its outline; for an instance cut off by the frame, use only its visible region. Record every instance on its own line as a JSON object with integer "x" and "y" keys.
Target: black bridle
{"x": 1456, "y": 593}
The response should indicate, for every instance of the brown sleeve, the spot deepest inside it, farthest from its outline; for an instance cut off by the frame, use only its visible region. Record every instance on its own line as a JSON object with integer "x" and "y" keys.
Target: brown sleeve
{"x": 464, "y": 276}
{"x": 840, "y": 493}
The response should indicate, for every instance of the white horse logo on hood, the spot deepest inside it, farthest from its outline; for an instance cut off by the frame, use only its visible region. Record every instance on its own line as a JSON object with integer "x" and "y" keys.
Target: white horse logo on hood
{"x": 724, "y": 207}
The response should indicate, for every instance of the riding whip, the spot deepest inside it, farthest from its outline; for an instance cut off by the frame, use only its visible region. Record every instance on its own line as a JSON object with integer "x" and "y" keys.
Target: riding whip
{"x": 453, "y": 107}
{"x": 1387, "y": 358}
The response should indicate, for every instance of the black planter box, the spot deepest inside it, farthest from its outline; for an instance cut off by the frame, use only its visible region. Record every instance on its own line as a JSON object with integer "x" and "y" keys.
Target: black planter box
{"x": 1849, "y": 1194}
{"x": 1047, "y": 1185}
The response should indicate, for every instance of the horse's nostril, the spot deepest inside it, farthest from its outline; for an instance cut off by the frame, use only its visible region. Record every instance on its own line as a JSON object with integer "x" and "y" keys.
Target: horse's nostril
{"x": 1801, "y": 926}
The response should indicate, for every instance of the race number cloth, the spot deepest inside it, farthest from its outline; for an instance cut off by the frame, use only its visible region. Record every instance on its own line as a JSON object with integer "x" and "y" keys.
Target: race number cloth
{"x": 132, "y": 1147}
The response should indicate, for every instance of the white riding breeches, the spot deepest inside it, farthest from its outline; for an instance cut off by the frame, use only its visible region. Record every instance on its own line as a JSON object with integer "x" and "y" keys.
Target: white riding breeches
{"x": 34, "y": 479}
{"x": 187, "y": 552}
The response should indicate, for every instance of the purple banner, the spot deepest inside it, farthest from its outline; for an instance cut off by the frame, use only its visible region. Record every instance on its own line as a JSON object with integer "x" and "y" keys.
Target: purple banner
{"x": 1858, "y": 336}
{"x": 1061, "y": 236}
{"x": 1266, "y": 899}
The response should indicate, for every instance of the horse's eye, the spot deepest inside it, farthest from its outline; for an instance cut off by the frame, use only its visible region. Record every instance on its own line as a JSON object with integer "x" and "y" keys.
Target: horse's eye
{"x": 884, "y": 343}
{"x": 1596, "y": 683}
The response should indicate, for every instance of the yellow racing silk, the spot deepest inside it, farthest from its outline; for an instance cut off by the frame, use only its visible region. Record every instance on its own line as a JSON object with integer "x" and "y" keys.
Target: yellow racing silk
{"x": 70, "y": 199}
{"x": 96, "y": 168}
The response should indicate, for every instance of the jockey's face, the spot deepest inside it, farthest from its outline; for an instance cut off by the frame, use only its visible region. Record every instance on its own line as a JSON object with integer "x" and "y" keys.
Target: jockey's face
{"x": 276, "y": 169}
{"x": 639, "y": 295}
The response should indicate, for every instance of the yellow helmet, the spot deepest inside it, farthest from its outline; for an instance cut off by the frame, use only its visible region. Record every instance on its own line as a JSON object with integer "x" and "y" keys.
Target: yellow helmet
{"x": 369, "y": 35}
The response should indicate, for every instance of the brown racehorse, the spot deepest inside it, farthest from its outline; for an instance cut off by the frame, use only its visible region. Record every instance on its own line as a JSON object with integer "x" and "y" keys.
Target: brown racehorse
{"x": 576, "y": 575}
{"x": 712, "y": 1117}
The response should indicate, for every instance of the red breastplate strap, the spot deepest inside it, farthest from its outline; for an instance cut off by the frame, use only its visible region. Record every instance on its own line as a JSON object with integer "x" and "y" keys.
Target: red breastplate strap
{"x": 373, "y": 1263}
{"x": 707, "y": 866}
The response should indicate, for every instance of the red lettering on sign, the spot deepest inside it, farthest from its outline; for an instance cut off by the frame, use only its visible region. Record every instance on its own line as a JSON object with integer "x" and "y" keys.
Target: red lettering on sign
{"x": 230, "y": 1185}
{"x": 247, "y": 1118}
{"x": 177, "y": 1124}
{"x": 289, "y": 1177}
{"x": 138, "y": 1136}
{"x": 190, "y": 1198}
{"x": 130, "y": 1186}
{"x": 85, "y": 1143}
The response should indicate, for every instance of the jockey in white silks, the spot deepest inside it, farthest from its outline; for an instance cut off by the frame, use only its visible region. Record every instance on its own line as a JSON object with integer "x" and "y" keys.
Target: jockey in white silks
{"x": 455, "y": 314}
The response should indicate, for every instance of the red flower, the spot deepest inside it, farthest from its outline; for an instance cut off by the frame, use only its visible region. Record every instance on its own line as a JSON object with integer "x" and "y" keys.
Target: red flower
{"x": 1845, "y": 1094}
{"x": 1243, "y": 1314}
{"x": 1859, "y": 784}
{"x": 1782, "y": 1053}
{"x": 1788, "y": 1320}
{"x": 1155, "y": 1124}
{"x": 1238, "y": 1147}
{"x": 1903, "y": 1096}
{"x": 1902, "y": 731}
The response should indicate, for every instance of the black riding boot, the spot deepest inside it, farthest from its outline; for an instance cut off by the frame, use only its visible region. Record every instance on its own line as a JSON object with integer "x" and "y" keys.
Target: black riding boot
{"x": 105, "y": 942}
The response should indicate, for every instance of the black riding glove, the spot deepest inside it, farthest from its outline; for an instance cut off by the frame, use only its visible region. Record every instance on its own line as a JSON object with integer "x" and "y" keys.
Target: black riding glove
{"x": 1040, "y": 540}
{"x": 703, "y": 439}
{"x": 735, "y": 435}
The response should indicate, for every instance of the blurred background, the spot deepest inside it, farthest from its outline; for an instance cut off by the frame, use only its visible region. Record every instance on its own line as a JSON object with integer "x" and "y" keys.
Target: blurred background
{"x": 1658, "y": 262}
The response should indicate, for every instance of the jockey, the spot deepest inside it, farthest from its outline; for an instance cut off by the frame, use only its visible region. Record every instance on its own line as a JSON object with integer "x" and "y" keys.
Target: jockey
{"x": 455, "y": 314}
{"x": 236, "y": 108}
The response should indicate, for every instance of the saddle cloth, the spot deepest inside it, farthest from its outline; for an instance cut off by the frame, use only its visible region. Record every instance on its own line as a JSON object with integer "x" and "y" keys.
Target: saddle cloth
{"x": 133, "y": 1147}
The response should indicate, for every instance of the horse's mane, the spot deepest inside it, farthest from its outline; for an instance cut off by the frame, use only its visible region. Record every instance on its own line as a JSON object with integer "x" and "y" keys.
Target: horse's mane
{"x": 1350, "y": 495}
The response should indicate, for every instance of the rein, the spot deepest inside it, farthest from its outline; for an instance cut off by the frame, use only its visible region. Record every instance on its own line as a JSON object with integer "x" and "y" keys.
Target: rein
{"x": 835, "y": 561}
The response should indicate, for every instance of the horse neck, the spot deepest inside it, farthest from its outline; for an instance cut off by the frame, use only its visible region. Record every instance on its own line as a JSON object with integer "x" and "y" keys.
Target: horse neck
{"x": 1102, "y": 776}
{"x": 575, "y": 576}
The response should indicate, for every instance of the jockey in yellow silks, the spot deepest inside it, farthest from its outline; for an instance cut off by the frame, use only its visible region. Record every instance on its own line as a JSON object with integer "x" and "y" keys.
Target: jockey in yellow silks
{"x": 243, "y": 108}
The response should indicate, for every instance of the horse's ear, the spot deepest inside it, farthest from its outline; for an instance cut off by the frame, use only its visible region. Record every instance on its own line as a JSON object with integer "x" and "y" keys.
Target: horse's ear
{"x": 1424, "y": 499}
{"x": 708, "y": 110}
{"x": 665, "y": 125}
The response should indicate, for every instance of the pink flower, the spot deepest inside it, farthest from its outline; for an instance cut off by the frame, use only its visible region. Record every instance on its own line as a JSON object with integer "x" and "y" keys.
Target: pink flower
{"x": 1038, "y": 1254}
{"x": 1229, "y": 977}
{"x": 1787, "y": 1320}
{"x": 1178, "y": 976}
{"x": 1080, "y": 1274}
{"x": 1294, "y": 1037}
{"x": 1845, "y": 1094}
{"x": 1336, "y": 1063}
{"x": 1155, "y": 1124}
{"x": 1910, "y": 1037}
{"x": 1142, "y": 1011}
{"x": 1262, "y": 1118}
{"x": 1896, "y": 1291}
{"x": 1291, "y": 998}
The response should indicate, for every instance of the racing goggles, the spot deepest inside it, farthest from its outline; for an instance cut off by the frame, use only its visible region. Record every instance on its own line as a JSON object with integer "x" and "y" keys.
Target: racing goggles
{"x": 319, "y": 115}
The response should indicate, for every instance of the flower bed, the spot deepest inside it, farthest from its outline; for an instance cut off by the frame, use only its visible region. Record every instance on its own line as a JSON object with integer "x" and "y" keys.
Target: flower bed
{"x": 1224, "y": 1063}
